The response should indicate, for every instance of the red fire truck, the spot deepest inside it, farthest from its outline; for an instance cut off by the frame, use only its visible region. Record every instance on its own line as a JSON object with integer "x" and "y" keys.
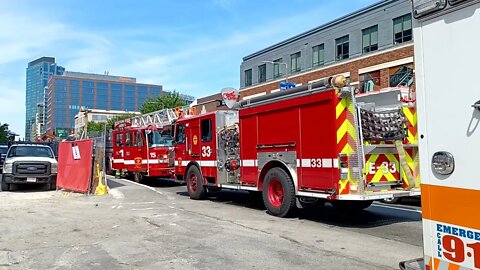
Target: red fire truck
{"x": 314, "y": 143}
{"x": 142, "y": 145}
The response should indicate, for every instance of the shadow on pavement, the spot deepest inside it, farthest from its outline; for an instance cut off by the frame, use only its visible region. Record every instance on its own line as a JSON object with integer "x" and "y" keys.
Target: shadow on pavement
{"x": 374, "y": 216}
{"x": 160, "y": 183}
{"x": 25, "y": 188}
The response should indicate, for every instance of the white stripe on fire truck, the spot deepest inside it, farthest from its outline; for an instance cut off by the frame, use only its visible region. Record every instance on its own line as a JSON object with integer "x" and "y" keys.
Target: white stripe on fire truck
{"x": 306, "y": 163}
{"x": 248, "y": 162}
{"x": 118, "y": 160}
{"x": 327, "y": 163}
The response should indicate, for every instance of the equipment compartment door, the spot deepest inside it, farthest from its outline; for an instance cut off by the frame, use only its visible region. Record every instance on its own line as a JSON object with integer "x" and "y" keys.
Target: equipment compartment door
{"x": 193, "y": 140}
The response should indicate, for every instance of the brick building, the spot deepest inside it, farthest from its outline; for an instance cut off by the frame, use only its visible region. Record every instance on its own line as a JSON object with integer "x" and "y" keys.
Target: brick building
{"x": 372, "y": 47}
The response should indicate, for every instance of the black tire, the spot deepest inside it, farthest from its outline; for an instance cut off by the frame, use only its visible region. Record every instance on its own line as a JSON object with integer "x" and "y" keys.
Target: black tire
{"x": 392, "y": 200}
{"x": 138, "y": 177}
{"x": 53, "y": 186}
{"x": 5, "y": 186}
{"x": 279, "y": 193}
{"x": 351, "y": 206}
{"x": 195, "y": 186}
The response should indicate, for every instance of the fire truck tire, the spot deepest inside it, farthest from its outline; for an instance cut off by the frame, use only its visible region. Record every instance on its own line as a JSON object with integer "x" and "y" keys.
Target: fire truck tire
{"x": 279, "y": 193}
{"x": 351, "y": 206}
{"x": 138, "y": 177}
{"x": 196, "y": 189}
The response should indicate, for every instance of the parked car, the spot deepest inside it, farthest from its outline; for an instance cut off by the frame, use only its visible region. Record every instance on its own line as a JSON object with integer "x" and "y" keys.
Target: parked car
{"x": 3, "y": 154}
{"x": 29, "y": 164}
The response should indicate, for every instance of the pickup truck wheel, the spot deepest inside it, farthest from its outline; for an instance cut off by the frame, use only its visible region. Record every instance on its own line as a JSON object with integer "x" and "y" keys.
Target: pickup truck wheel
{"x": 53, "y": 186}
{"x": 279, "y": 193}
{"x": 5, "y": 186}
{"x": 195, "y": 187}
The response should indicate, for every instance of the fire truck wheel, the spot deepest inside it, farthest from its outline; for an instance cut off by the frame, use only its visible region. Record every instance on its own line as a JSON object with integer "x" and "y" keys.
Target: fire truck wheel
{"x": 195, "y": 187}
{"x": 279, "y": 193}
{"x": 138, "y": 177}
{"x": 351, "y": 206}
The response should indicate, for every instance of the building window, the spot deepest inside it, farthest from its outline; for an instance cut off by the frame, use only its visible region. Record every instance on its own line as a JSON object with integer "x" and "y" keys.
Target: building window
{"x": 370, "y": 39}
{"x": 369, "y": 81}
{"x": 295, "y": 62}
{"x": 401, "y": 76}
{"x": 318, "y": 55}
{"x": 342, "y": 48}
{"x": 276, "y": 68}
{"x": 402, "y": 29}
{"x": 262, "y": 73}
{"x": 248, "y": 77}
{"x": 206, "y": 128}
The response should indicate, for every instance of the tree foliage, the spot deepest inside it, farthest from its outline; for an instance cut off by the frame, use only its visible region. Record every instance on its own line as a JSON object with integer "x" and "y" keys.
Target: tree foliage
{"x": 166, "y": 100}
{"x": 3, "y": 133}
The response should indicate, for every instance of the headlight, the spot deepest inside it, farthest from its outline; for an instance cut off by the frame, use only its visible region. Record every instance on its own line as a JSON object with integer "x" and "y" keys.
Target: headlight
{"x": 7, "y": 167}
{"x": 54, "y": 168}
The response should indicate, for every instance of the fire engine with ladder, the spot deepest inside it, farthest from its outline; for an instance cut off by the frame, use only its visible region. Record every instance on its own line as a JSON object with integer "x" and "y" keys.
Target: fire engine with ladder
{"x": 142, "y": 145}
{"x": 446, "y": 41}
{"x": 310, "y": 144}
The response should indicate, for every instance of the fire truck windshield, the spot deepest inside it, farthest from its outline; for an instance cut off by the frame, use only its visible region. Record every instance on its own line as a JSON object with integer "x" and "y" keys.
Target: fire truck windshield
{"x": 160, "y": 138}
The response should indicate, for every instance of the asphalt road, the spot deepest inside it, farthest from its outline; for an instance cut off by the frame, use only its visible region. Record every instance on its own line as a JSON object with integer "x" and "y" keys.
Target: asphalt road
{"x": 159, "y": 227}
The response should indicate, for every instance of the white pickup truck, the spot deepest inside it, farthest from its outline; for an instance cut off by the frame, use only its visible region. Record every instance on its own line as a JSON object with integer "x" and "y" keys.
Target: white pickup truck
{"x": 29, "y": 164}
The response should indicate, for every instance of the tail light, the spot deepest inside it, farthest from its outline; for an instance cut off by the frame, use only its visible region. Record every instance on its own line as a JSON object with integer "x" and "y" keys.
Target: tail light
{"x": 234, "y": 164}
{"x": 343, "y": 166}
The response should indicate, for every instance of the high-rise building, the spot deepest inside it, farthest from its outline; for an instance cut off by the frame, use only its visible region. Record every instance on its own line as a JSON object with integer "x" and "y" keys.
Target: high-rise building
{"x": 69, "y": 92}
{"x": 38, "y": 73}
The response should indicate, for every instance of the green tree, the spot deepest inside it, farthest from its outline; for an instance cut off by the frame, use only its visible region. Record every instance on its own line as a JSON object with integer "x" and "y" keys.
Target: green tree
{"x": 166, "y": 100}
{"x": 100, "y": 126}
{"x": 4, "y": 133}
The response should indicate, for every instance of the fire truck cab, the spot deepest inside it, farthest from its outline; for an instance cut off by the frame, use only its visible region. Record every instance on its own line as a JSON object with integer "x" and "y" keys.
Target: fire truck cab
{"x": 142, "y": 145}
{"x": 317, "y": 142}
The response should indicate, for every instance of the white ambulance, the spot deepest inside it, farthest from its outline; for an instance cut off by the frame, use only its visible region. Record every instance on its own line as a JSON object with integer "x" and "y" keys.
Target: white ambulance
{"x": 447, "y": 70}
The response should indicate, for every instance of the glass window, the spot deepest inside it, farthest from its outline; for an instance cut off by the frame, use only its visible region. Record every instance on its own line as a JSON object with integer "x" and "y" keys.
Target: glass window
{"x": 160, "y": 138}
{"x": 128, "y": 139}
{"x": 318, "y": 55}
{"x": 370, "y": 39}
{"x": 402, "y": 29}
{"x": 180, "y": 134}
{"x": 342, "y": 46}
{"x": 262, "y": 73}
{"x": 30, "y": 151}
{"x": 276, "y": 68}
{"x": 139, "y": 139}
{"x": 295, "y": 62}
{"x": 369, "y": 81}
{"x": 206, "y": 129}
{"x": 119, "y": 139}
{"x": 248, "y": 77}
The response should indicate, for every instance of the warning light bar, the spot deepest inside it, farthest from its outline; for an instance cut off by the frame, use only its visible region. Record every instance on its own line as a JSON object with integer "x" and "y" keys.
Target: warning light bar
{"x": 424, "y": 7}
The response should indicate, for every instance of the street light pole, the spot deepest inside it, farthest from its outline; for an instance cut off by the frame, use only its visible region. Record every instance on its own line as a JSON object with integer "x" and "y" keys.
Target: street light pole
{"x": 279, "y": 63}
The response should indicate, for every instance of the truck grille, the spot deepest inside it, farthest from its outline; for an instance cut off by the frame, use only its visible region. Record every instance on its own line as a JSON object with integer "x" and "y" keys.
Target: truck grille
{"x": 31, "y": 168}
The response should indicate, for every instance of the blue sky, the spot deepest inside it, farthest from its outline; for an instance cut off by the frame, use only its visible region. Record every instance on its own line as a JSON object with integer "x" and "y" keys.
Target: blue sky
{"x": 194, "y": 47}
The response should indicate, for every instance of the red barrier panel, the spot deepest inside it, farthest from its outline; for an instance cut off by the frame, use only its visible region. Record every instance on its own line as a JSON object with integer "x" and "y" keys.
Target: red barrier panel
{"x": 75, "y": 165}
